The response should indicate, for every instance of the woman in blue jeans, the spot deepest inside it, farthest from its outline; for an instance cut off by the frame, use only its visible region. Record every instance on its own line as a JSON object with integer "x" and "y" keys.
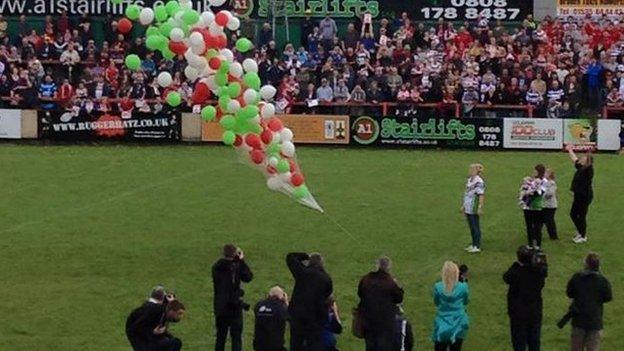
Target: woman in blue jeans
{"x": 451, "y": 321}
{"x": 472, "y": 205}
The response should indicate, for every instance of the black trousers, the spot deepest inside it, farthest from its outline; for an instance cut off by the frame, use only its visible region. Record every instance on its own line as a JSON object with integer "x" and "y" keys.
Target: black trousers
{"x": 534, "y": 222}
{"x": 525, "y": 336}
{"x": 578, "y": 213}
{"x": 447, "y": 346}
{"x": 549, "y": 220}
{"x": 379, "y": 341}
{"x": 166, "y": 344}
{"x": 235, "y": 327}
{"x": 305, "y": 337}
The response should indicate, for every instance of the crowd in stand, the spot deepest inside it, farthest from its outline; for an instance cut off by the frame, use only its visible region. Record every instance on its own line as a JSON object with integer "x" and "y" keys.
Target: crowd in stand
{"x": 558, "y": 66}
{"x": 315, "y": 323}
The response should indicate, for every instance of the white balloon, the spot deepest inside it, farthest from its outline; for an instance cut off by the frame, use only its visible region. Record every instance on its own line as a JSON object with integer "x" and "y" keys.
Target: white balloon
{"x": 215, "y": 29}
{"x": 196, "y": 39}
{"x": 274, "y": 183}
{"x": 198, "y": 50}
{"x": 286, "y": 135}
{"x": 146, "y": 16}
{"x": 233, "y": 106}
{"x": 211, "y": 83}
{"x": 273, "y": 161}
{"x": 285, "y": 177}
{"x": 233, "y": 24}
{"x": 228, "y": 54}
{"x": 178, "y": 17}
{"x": 268, "y": 111}
{"x": 191, "y": 73}
{"x": 288, "y": 149}
{"x": 255, "y": 120}
{"x": 249, "y": 96}
{"x": 236, "y": 69}
{"x": 250, "y": 65}
{"x": 207, "y": 17}
{"x": 164, "y": 79}
{"x": 276, "y": 138}
{"x": 267, "y": 92}
{"x": 186, "y": 4}
{"x": 176, "y": 34}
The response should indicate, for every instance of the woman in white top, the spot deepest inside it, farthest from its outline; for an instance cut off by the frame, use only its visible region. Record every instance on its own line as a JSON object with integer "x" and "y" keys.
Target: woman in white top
{"x": 550, "y": 204}
{"x": 472, "y": 205}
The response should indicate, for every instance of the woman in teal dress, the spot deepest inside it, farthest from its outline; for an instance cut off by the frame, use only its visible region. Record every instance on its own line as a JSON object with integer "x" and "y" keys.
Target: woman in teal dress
{"x": 451, "y": 321}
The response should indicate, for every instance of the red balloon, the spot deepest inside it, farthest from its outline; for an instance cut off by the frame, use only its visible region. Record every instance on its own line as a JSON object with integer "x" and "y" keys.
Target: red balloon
{"x": 297, "y": 179}
{"x": 257, "y": 156}
{"x": 271, "y": 169}
{"x": 253, "y": 140}
{"x": 200, "y": 94}
{"x": 214, "y": 63}
{"x": 221, "y": 41}
{"x": 222, "y": 18}
{"x": 177, "y": 47}
{"x": 266, "y": 136}
{"x": 124, "y": 26}
{"x": 275, "y": 125}
{"x": 238, "y": 141}
{"x": 293, "y": 166}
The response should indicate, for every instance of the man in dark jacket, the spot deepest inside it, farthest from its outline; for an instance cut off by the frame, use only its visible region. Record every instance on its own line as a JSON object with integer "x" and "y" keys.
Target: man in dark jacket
{"x": 227, "y": 275}
{"x": 379, "y": 295}
{"x": 589, "y": 290}
{"x": 144, "y": 324}
{"x": 307, "y": 308}
{"x": 271, "y": 315}
{"x": 526, "y": 278}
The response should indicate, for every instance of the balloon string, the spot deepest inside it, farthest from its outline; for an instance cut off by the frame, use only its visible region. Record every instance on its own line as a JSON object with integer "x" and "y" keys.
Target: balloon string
{"x": 341, "y": 227}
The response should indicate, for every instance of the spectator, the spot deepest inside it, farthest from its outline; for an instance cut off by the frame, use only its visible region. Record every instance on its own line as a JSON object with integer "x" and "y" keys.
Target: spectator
{"x": 3, "y": 28}
{"x": 470, "y": 99}
{"x": 227, "y": 275}
{"x": 589, "y": 290}
{"x": 307, "y": 309}
{"x": 403, "y": 336}
{"x": 70, "y": 58}
{"x": 341, "y": 92}
{"x": 328, "y": 30}
{"x": 526, "y": 278}
{"x": 324, "y": 93}
{"x": 307, "y": 27}
{"x": 450, "y": 297}
{"x": 266, "y": 35}
{"x": 379, "y": 295}
{"x": 332, "y": 327}
{"x": 531, "y": 202}
{"x": 270, "y": 325}
{"x": 550, "y": 204}
{"x": 47, "y": 91}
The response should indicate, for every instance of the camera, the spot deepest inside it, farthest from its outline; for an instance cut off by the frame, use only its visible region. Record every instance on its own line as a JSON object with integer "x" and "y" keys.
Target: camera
{"x": 532, "y": 257}
{"x": 463, "y": 273}
{"x": 567, "y": 317}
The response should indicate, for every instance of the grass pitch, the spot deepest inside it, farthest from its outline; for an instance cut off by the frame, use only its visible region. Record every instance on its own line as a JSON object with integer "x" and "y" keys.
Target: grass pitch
{"x": 86, "y": 231}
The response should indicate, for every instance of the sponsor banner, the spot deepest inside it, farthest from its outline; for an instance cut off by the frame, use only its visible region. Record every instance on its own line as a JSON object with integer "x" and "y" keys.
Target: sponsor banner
{"x": 532, "y": 133}
{"x": 582, "y": 8}
{"x": 10, "y": 124}
{"x": 472, "y": 133}
{"x": 465, "y": 10}
{"x": 610, "y": 134}
{"x": 580, "y": 133}
{"x": 307, "y": 129}
{"x": 71, "y": 125}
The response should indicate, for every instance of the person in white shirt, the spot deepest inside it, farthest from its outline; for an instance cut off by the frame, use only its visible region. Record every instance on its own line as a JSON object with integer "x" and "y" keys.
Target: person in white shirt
{"x": 472, "y": 205}
{"x": 550, "y": 203}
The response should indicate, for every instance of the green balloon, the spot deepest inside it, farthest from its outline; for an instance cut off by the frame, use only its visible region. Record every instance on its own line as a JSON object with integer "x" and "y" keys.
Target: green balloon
{"x": 252, "y": 80}
{"x": 174, "y": 99}
{"x": 255, "y": 128}
{"x": 151, "y": 30}
{"x": 133, "y": 62}
{"x": 168, "y": 54}
{"x": 223, "y": 91}
{"x": 116, "y": 2}
{"x": 172, "y": 7}
{"x": 301, "y": 191}
{"x": 243, "y": 45}
{"x": 208, "y": 113}
{"x": 251, "y": 111}
{"x": 228, "y": 122}
{"x": 223, "y": 102}
{"x": 190, "y": 16}
{"x": 165, "y": 28}
{"x": 160, "y": 13}
{"x": 133, "y": 12}
{"x": 234, "y": 89}
{"x": 224, "y": 67}
{"x": 154, "y": 42}
{"x": 211, "y": 53}
{"x": 273, "y": 149}
{"x": 283, "y": 166}
{"x": 221, "y": 79}
{"x": 229, "y": 137}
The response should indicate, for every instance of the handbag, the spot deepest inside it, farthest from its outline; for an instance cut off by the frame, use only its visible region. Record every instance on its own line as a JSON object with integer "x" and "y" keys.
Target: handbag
{"x": 357, "y": 326}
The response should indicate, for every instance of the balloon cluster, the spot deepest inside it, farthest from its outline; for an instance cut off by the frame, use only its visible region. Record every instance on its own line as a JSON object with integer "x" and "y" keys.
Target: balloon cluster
{"x": 244, "y": 109}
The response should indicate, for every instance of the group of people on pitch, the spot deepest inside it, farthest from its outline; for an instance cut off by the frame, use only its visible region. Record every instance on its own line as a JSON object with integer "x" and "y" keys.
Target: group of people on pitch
{"x": 537, "y": 199}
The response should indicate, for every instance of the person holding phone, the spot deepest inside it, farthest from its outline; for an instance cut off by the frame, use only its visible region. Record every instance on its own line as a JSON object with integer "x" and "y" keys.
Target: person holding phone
{"x": 583, "y": 193}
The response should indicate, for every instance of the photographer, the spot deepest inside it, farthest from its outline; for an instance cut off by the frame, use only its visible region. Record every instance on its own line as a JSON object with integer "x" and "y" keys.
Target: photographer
{"x": 526, "y": 278}
{"x": 145, "y": 326}
{"x": 174, "y": 311}
{"x": 227, "y": 275}
{"x": 589, "y": 290}
{"x": 308, "y": 312}
{"x": 271, "y": 315}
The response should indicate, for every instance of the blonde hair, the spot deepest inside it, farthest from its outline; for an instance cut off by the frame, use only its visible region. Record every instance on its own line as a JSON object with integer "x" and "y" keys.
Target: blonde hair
{"x": 477, "y": 167}
{"x": 450, "y": 276}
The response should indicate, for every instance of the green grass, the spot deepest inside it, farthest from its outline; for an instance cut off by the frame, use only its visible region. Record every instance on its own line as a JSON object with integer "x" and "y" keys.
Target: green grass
{"x": 85, "y": 231}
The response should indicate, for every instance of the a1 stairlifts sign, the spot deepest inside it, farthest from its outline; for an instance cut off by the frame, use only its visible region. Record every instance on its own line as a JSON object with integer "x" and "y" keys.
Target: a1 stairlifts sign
{"x": 10, "y": 124}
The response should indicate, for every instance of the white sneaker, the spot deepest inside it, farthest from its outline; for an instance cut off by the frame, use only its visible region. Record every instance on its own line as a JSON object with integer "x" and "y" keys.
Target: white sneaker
{"x": 470, "y": 247}
{"x": 474, "y": 250}
{"x": 579, "y": 239}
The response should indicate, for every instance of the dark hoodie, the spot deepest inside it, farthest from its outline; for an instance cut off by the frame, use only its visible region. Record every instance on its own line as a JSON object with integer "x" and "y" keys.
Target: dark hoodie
{"x": 227, "y": 275}
{"x": 589, "y": 290}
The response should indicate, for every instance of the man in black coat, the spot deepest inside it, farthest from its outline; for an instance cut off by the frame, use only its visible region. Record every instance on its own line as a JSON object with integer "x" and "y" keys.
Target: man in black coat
{"x": 379, "y": 295}
{"x": 307, "y": 308}
{"x": 144, "y": 324}
{"x": 271, "y": 315}
{"x": 589, "y": 290}
{"x": 227, "y": 275}
{"x": 526, "y": 278}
